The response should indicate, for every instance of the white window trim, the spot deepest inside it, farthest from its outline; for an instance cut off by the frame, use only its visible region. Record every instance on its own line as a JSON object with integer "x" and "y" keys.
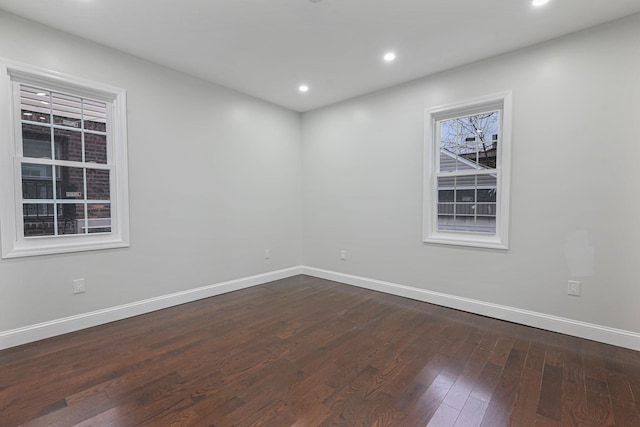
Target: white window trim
{"x": 11, "y": 226}
{"x": 431, "y": 234}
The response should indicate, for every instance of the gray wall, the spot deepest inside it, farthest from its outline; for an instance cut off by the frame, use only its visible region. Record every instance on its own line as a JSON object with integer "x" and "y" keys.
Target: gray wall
{"x": 214, "y": 180}
{"x": 575, "y": 181}
{"x": 210, "y": 191}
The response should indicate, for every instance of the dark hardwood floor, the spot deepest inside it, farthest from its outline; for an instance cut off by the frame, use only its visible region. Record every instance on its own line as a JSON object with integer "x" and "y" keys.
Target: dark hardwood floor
{"x": 309, "y": 352}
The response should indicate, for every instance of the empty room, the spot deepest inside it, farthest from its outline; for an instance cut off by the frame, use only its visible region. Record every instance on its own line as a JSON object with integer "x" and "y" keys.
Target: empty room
{"x": 319, "y": 212}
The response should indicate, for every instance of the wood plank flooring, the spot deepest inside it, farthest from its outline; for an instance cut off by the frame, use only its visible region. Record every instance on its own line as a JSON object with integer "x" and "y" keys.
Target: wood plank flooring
{"x": 309, "y": 352}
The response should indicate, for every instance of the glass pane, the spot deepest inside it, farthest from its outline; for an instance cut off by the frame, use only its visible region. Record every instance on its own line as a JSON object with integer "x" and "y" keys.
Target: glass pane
{"x": 95, "y": 148}
{"x": 445, "y": 196}
{"x": 451, "y": 146}
{"x": 466, "y": 195}
{"x": 66, "y": 110}
{"x": 99, "y": 218}
{"x": 486, "y": 209}
{"x": 70, "y": 183}
{"x": 446, "y": 187}
{"x": 448, "y": 146}
{"x": 34, "y": 104}
{"x": 95, "y": 115}
{"x": 448, "y": 160}
{"x": 487, "y": 188}
{"x": 36, "y": 141}
{"x": 467, "y": 203}
{"x": 465, "y": 209}
{"x": 37, "y": 181}
{"x": 446, "y": 221}
{"x": 68, "y": 144}
{"x": 470, "y": 142}
{"x": 98, "y": 184}
{"x": 450, "y": 135}
{"x": 71, "y": 219}
{"x": 463, "y": 163}
{"x": 445, "y": 208}
{"x": 484, "y": 224}
{"x": 466, "y": 188}
{"x": 486, "y": 155}
{"x": 38, "y": 220}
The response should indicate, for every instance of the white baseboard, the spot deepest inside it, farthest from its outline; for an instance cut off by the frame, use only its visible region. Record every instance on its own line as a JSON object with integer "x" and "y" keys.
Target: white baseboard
{"x": 562, "y": 325}
{"x": 65, "y": 325}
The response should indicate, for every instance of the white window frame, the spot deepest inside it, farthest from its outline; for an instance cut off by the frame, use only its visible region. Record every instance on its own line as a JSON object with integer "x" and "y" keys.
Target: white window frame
{"x": 14, "y": 244}
{"x": 500, "y": 240}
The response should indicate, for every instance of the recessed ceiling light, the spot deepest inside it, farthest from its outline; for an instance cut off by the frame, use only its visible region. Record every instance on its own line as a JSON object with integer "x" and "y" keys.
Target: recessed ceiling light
{"x": 303, "y": 88}
{"x": 41, "y": 94}
{"x": 539, "y": 2}
{"x": 389, "y": 56}
{"x": 28, "y": 114}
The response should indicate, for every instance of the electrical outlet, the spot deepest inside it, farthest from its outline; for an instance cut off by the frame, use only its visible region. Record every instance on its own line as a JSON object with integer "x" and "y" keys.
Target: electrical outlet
{"x": 573, "y": 288}
{"x": 343, "y": 255}
{"x": 267, "y": 253}
{"x": 78, "y": 286}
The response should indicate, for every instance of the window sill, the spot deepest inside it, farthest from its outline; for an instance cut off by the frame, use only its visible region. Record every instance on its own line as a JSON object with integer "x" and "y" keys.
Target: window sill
{"x": 28, "y": 250}
{"x": 469, "y": 240}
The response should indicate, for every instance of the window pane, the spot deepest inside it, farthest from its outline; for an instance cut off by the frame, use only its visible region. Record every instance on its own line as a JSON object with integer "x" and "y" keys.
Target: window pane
{"x": 466, "y": 195}
{"x": 486, "y": 209}
{"x": 95, "y": 148}
{"x": 34, "y": 104}
{"x": 467, "y": 203}
{"x": 450, "y": 134}
{"x": 445, "y": 208}
{"x": 37, "y": 181}
{"x": 38, "y": 220}
{"x": 71, "y": 219}
{"x": 36, "y": 141}
{"x": 465, "y": 188}
{"x": 447, "y": 160}
{"x": 452, "y": 146}
{"x": 99, "y": 218}
{"x": 487, "y": 188}
{"x": 95, "y": 115}
{"x": 465, "y": 209}
{"x": 66, "y": 110}
{"x": 70, "y": 183}
{"x": 485, "y": 225}
{"x": 445, "y": 196}
{"x": 68, "y": 145}
{"x": 469, "y": 142}
{"x": 446, "y": 186}
{"x": 486, "y": 195}
{"x": 98, "y": 184}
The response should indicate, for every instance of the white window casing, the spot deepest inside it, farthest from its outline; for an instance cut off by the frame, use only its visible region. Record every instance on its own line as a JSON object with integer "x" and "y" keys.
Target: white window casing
{"x": 440, "y": 224}
{"x": 90, "y": 233}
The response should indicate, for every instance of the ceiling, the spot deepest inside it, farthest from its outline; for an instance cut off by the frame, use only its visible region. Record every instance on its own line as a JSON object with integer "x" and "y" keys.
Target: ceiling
{"x": 267, "y": 48}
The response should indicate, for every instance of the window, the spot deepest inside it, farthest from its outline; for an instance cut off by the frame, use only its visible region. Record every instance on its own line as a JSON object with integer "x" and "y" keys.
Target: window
{"x": 63, "y": 164}
{"x": 467, "y": 149}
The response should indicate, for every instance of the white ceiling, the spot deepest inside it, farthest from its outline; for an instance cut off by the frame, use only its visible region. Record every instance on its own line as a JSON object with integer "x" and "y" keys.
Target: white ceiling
{"x": 266, "y": 48}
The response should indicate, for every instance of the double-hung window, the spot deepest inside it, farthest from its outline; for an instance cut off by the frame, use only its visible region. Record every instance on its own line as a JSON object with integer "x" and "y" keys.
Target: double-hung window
{"x": 63, "y": 164}
{"x": 467, "y": 152}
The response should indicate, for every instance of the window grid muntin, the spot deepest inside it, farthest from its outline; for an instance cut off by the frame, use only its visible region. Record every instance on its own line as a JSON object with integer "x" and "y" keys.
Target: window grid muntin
{"x": 457, "y": 205}
{"x": 437, "y": 148}
{"x": 55, "y": 162}
{"x": 437, "y": 129}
